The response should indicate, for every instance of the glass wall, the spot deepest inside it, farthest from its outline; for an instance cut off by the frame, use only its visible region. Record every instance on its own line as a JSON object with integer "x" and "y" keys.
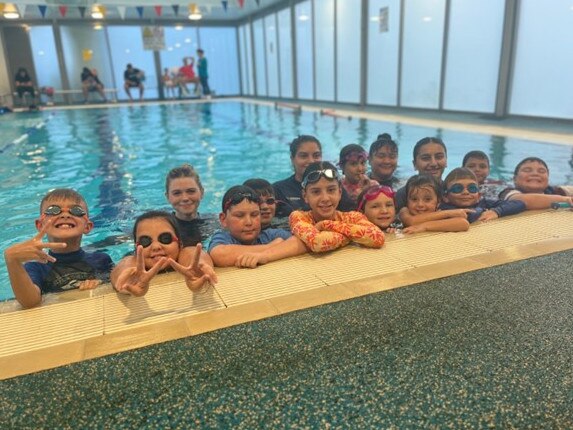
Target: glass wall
{"x": 220, "y": 46}
{"x": 473, "y": 55}
{"x": 246, "y": 75}
{"x": 179, "y": 42}
{"x": 285, "y": 52}
{"x": 324, "y": 48}
{"x": 260, "y": 60}
{"x": 542, "y": 83}
{"x": 304, "y": 54}
{"x": 45, "y": 56}
{"x": 272, "y": 55}
{"x": 422, "y": 53}
{"x": 348, "y": 18}
{"x": 126, "y": 45}
{"x": 383, "y": 52}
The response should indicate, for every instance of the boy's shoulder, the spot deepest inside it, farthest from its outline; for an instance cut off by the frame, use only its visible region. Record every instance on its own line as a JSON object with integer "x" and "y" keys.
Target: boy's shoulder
{"x": 270, "y": 234}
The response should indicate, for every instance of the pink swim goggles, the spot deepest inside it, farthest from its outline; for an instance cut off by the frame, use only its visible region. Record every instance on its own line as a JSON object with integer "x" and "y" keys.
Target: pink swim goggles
{"x": 373, "y": 192}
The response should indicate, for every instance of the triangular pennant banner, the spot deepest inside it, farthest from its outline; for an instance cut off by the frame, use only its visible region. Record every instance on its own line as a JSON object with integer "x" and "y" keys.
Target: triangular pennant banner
{"x": 21, "y": 9}
{"x": 175, "y": 9}
{"x": 158, "y": 10}
{"x": 43, "y": 9}
{"x": 225, "y": 4}
{"x": 121, "y": 11}
{"x": 139, "y": 11}
{"x": 82, "y": 10}
{"x": 63, "y": 10}
{"x": 241, "y": 3}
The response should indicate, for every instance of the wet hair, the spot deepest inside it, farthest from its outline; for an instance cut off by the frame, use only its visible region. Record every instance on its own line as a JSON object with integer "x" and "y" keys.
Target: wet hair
{"x": 423, "y": 180}
{"x": 320, "y": 165}
{"x": 480, "y": 155}
{"x": 129, "y": 65}
{"x": 64, "y": 194}
{"x": 347, "y": 151}
{"x": 200, "y": 50}
{"x": 184, "y": 171}
{"x": 298, "y": 141}
{"x": 529, "y": 160}
{"x": 158, "y": 215}
{"x": 247, "y": 192}
{"x": 381, "y": 141}
{"x": 261, "y": 186}
{"x": 426, "y": 141}
{"x": 457, "y": 174}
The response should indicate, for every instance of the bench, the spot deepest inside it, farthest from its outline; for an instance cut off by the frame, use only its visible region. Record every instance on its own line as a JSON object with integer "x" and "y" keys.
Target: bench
{"x": 67, "y": 96}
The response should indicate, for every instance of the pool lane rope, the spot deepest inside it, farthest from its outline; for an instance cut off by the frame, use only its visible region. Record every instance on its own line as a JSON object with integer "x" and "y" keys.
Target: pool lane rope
{"x": 29, "y": 132}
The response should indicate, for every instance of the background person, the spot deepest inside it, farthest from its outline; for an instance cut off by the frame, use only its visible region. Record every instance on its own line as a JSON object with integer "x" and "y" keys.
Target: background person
{"x": 24, "y": 84}
{"x": 90, "y": 83}
{"x": 203, "y": 74}
{"x": 133, "y": 79}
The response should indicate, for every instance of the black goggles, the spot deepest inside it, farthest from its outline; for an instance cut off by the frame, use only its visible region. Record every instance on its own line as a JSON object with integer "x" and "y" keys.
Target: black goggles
{"x": 313, "y": 177}
{"x": 164, "y": 238}
{"x": 268, "y": 200}
{"x": 237, "y": 198}
{"x": 75, "y": 210}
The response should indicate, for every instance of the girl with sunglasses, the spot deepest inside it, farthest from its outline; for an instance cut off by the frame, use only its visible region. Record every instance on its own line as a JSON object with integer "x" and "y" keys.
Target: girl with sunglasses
{"x": 323, "y": 228}
{"x": 421, "y": 212}
{"x": 158, "y": 247}
{"x": 377, "y": 203}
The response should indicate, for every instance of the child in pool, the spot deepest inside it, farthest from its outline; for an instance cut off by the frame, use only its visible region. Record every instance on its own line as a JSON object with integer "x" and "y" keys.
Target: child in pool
{"x": 462, "y": 192}
{"x": 377, "y": 203}
{"x": 421, "y": 212}
{"x": 159, "y": 248}
{"x": 383, "y": 159}
{"x": 64, "y": 220}
{"x": 242, "y": 243}
{"x": 323, "y": 228}
{"x": 478, "y": 162}
{"x": 268, "y": 203}
{"x": 352, "y": 162}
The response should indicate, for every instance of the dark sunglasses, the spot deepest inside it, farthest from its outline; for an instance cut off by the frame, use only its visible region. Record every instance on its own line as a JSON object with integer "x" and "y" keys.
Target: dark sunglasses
{"x": 237, "y": 198}
{"x": 313, "y": 177}
{"x": 459, "y": 188}
{"x": 164, "y": 238}
{"x": 268, "y": 201}
{"x": 54, "y": 210}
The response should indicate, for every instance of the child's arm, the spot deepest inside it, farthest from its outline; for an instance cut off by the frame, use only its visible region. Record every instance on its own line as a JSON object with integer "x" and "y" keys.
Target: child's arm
{"x": 288, "y": 248}
{"x": 196, "y": 266}
{"x": 408, "y": 219}
{"x": 226, "y": 255}
{"x": 499, "y": 208}
{"x": 356, "y": 227}
{"x": 317, "y": 241}
{"x": 25, "y": 290}
{"x": 539, "y": 201}
{"x": 130, "y": 275}
{"x": 444, "y": 225}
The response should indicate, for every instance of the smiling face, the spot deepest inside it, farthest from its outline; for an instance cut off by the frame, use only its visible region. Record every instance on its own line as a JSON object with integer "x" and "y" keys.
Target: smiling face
{"x": 65, "y": 227}
{"x": 268, "y": 209}
{"x": 323, "y": 197}
{"x": 431, "y": 159}
{"x": 153, "y": 228}
{"x": 480, "y": 167}
{"x": 422, "y": 200}
{"x": 243, "y": 221}
{"x": 383, "y": 163}
{"x": 307, "y": 152}
{"x": 465, "y": 198}
{"x": 185, "y": 196}
{"x": 380, "y": 211}
{"x": 354, "y": 170}
{"x": 532, "y": 177}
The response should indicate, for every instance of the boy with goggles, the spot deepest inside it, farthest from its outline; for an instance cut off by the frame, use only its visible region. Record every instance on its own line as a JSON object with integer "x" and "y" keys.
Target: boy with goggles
{"x": 33, "y": 272}
{"x": 461, "y": 191}
{"x": 268, "y": 202}
{"x": 241, "y": 243}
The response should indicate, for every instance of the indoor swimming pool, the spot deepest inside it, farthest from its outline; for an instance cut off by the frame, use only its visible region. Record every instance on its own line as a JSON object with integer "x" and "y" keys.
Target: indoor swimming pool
{"x": 117, "y": 157}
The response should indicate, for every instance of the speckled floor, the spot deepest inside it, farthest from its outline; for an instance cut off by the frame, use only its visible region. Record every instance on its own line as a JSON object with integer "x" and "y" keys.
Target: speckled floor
{"x": 486, "y": 349}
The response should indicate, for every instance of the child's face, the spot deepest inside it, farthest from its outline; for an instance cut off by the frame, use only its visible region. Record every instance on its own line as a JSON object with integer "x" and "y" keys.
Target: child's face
{"x": 422, "y": 200}
{"x": 480, "y": 167}
{"x": 380, "y": 211}
{"x": 384, "y": 162}
{"x": 154, "y": 232}
{"x": 532, "y": 177}
{"x": 65, "y": 227}
{"x": 185, "y": 196}
{"x": 323, "y": 198}
{"x": 307, "y": 152}
{"x": 462, "y": 193}
{"x": 354, "y": 170}
{"x": 431, "y": 160}
{"x": 243, "y": 221}
{"x": 268, "y": 207}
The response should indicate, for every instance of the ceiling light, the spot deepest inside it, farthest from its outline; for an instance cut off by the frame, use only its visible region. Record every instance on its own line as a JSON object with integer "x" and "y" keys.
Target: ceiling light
{"x": 194, "y": 12}
{"x": 97, "y": 11}
{"x": 178, "y": 27}
{"x": 427, "y": 18}
{"x": 98, "y": 26}
{"x": 303, "y": 18}
{"x": 10, "y": 11}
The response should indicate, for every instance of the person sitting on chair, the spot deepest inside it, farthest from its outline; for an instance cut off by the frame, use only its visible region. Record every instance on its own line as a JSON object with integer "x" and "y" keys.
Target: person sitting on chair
{"x": 24, "y": 84}
{"x": 133, "y": 79}
{"x": 90, "y": 83}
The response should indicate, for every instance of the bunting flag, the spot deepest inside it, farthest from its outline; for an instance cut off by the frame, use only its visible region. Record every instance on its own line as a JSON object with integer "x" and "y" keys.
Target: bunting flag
{"x": 175, "y": 9}
{"x": 82, "y": 10}
{"x": 21, "y": 9}
{"x": 121, "y": 11}
{"x": 241, "y": 3}
{"x": 225, "y": 3}
{"x": 63, "y": 10}
{"x": 43, "y": 9}
{"x": 139, "y": 11}
{"x": 2, "y": 6}
{"x": 157, "y": 10}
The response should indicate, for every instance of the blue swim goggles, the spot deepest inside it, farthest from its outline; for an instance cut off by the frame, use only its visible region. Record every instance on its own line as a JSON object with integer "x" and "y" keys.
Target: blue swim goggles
{"x": 459, "y": 188}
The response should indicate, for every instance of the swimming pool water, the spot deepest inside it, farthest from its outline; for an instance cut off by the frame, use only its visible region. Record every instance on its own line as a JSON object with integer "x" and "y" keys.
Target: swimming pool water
{"x": 117, "y": 158}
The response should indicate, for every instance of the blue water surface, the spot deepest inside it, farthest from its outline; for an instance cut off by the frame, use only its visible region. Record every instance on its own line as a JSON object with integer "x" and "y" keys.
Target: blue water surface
{"x": 117, "y": 158}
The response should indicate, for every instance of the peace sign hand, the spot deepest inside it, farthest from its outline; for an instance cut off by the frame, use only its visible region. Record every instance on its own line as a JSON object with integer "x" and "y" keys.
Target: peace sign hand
{"x": 32, "y": 249}
{"x": 196, "y": 274}
{"x": 135, "y": 280}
